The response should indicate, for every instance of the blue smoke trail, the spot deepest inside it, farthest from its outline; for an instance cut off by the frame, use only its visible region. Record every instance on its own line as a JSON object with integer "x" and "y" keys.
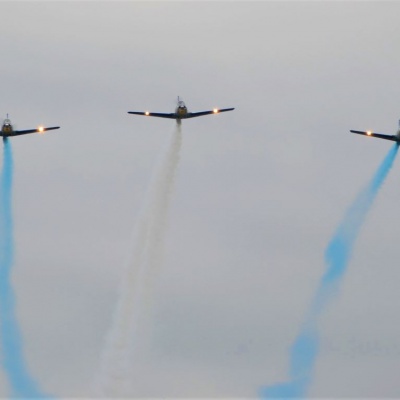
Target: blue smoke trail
{"x": 305, "y": 349}
{"x": 11, "y": 357}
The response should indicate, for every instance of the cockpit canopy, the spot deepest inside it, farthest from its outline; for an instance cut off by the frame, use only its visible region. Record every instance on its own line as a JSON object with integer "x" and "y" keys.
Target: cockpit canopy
{"x": 7, "y": 122}
{"x": 181, "y": 104}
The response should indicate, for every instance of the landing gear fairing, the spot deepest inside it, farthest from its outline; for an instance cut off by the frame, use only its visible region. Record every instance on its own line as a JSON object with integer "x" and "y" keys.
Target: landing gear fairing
{"x": 181, "y": 112}
{"x": 7, "y": 129}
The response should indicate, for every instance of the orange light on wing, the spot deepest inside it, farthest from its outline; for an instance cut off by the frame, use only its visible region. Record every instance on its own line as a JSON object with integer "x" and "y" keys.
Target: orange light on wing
{"x": 147, "y": 113}
{"x": 369, "y": 133}
{"x": 215, "y": 111}
{"x": 41, "y": 129}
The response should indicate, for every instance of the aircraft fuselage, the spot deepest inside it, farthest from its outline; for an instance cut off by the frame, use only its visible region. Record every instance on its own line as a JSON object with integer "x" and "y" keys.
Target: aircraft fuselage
{"x": 6, "y": 128}
{"x": 181, "y": 111}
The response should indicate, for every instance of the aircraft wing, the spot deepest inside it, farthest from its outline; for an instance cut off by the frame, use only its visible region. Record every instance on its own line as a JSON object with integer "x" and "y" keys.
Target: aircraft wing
{"x": 151, "y": 114}
{"x": 377, "y": 135}
{"x": 201, "y": 113}
{"x": 37, "y": 130}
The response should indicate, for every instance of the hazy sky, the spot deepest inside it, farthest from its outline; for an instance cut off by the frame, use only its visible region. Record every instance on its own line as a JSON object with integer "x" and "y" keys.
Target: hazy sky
{"x": 259, "y": 191}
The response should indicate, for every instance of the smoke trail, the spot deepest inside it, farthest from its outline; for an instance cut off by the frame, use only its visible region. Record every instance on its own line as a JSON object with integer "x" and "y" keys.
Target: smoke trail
{"x": 305, "y": 349}
{"x": 139, "y": 275}
{"x": 12, "y": 360}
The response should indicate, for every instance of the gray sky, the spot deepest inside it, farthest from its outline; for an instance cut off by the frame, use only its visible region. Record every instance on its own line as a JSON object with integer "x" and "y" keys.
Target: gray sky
{"x": 259, "y": 191}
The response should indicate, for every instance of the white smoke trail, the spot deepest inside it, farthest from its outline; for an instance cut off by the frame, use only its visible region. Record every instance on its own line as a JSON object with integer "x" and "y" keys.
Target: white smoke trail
{"x": 134, "y": 303}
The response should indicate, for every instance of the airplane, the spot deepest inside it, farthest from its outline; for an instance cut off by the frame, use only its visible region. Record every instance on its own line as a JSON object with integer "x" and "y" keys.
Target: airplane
{"x": 7, "y": 129}
{"x": 394, "y": 138}
{"x": 181, "y": 112}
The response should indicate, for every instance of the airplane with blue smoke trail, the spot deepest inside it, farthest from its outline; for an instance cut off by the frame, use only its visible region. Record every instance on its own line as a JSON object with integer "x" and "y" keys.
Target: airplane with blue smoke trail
{"x": 12, "y": 360}
{"x": 7, "y": 129}
{"x": 305, "y": 349}
{"x": 181, "y": 112}
{"x": 393, "y": 138}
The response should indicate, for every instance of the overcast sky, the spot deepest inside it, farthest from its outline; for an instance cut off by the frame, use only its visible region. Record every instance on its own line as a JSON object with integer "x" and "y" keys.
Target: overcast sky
{"x": 259, "y": 191}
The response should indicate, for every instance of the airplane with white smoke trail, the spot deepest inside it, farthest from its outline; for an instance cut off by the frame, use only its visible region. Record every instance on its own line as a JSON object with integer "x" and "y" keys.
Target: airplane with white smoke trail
{"x": 7, "y": 129}
{"x": 181, "y": 112}
{"x": 393, "y": 138}
{"x": 130, "y": 335}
